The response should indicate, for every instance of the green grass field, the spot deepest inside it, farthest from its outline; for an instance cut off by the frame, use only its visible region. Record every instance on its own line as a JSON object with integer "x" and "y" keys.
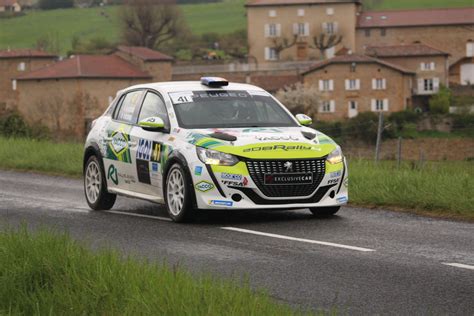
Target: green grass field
{"x": 437, "y": 188}
{"x": 61, "y": 25}
{"x": 46, "y": 273}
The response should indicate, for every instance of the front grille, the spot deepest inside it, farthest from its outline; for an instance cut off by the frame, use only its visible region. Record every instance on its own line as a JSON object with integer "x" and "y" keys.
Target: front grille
{"x": 258, "y": 168}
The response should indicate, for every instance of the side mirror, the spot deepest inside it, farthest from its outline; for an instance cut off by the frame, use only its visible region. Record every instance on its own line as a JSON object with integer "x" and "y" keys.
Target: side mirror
{"x": 304, "y": 119}
{"x": 152, "y": 124}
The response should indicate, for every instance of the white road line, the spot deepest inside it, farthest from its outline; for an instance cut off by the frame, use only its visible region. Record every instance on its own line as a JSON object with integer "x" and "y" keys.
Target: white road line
{"x": 324, "y": 243}
{"x": 141, "y": 215}
{"x": 459, "y": 265}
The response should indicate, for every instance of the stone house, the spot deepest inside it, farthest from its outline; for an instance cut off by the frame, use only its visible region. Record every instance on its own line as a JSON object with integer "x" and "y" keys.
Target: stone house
{"x": 9, "y": 6}
{"x": 68, "y": 95}
{"x": 462, "y": 71}
{"x": 350, "y": 84}
{"x": 14, "y": 63}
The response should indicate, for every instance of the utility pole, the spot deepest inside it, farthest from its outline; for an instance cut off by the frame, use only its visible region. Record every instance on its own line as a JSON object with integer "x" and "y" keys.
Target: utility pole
{"x": 379, "y": 137}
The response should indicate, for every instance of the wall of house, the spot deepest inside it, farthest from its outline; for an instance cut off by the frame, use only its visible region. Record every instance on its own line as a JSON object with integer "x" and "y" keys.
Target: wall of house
{"x": 159, "y": 70}
{"x": 257, "y": 17}
{"x": 66, "y": 105}
{"x": 397, "y": 91}
{"x": 11, "y": 68}
{"x": 451, "y": 39}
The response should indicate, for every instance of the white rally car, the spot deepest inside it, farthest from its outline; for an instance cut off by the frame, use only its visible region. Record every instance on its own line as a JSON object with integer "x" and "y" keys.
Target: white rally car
{"x": 210, "y": 145}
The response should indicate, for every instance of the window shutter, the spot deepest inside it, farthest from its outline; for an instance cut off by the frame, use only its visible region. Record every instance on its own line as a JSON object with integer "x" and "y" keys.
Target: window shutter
{"x": 267, "y": 30}
{"x": 384, "y": 84}
{"x": 422, "y": 66}
{"x": 372, "y": 105}
{"x": 13, "y": 84}
{"x": 358, "y": 84}
{"x": 295, "y": 28}
{"x": 374, "y": 84}
{"x": 321, "y": 85}
{"x": 306, "y": 29}
{"x": 347, "y": 84}
{"x": 332, "y": 106}
{"x": 331, "y": 85}
{"x": 436, "y": 84}
{"x": 469, "y": 49}
{"x": 278, "y": 29}
{"x": 385, "y": 104}
{"x": 421, "y": 85}
{"x": 336, "y": 27}
{"x": 267, "y": 53}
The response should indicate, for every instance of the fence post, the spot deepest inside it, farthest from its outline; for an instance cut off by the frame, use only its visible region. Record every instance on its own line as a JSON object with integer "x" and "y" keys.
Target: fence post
{"x": 399, "y": 155}
{"x": 379, "y": 136}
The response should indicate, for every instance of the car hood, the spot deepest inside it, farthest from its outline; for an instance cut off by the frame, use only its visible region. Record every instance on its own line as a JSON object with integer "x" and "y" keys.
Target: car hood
{"x": 264, "y": 143}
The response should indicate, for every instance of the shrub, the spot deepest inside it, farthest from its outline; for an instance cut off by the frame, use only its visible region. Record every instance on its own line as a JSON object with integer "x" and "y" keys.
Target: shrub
{"x": 14, "y": 126}
{"x": 363, "y": 127}
{"x": 440, "y": 102}
{"x": 55, "y": 4}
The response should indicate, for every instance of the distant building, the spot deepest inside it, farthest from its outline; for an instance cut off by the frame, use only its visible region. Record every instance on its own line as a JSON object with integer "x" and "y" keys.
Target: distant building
{"x": 462, "y": 71}
{"x": 68, "y": 95}
{"x": 350, "y": 84}
{"x": 14, "y": 63}
{"x": 9, "y": 6}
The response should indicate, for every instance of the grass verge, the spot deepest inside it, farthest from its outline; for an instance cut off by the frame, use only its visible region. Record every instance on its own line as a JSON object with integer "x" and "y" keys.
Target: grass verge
{"x": 437, "y": 188}
{"x": 46, "y": 273}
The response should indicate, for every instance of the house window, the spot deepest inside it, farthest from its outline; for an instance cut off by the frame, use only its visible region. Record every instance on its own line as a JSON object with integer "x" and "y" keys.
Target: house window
{"x": 13, "y": 84}
{"x": 428, "y": 66}
{"x": 272, "y": 13}
{"x": 352, "y": 84}
{"x": 470, "y": 49}
{"x": 330, "y": 11}
{"x": 330, "y": 27}
{"x": 301, "y": 29}
{"x": 353, "y": 105}
{"x": 383, "y": 32}
{"x": 326, "y": 85}
{"x": 21, "y": 66}
{"x": 428, "y": 85}
{"x": 367, "y": 32}
{"x": 272, "y": 30}
{"x": 271, "y": 53}
{"x": 300, "y": 12}
{"x": 328, "y": 107}
{"x": 379, "y": 105}
{"x": 379, "y": 84}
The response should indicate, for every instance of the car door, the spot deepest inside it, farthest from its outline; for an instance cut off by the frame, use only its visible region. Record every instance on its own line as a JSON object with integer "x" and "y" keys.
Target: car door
{"x": 118, "y": 162}
{"x": 150, "y": 147}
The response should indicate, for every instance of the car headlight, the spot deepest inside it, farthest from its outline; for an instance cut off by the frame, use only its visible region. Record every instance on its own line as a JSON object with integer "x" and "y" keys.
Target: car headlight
{"x": 335, "y": 156}
{"x": 214, "y": 157}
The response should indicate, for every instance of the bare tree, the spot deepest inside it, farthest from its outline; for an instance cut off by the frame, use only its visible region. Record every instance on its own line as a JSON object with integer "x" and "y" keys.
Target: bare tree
{"x": 300, "y": 99}
{"x": 279, "y": 44}
{"x": 150, "y": 23}
{"x": 323, "y": 42}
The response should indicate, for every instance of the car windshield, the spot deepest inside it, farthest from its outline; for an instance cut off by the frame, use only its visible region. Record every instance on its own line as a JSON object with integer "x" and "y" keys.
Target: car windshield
{"x": 231, "y": 109}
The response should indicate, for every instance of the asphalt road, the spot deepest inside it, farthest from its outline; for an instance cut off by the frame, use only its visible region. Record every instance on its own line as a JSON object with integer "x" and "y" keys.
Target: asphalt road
{"x": 360, "y": 262}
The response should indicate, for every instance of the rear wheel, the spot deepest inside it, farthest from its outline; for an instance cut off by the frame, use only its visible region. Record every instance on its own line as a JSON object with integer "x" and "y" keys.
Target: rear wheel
{"x": 178, "y": 194}
{"x": 324, "y": 211}
{"x": 95, "y": 187}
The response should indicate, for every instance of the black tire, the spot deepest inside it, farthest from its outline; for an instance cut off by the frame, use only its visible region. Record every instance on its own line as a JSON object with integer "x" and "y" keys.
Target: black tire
{"x": 186, "y": 212}
{"x": 104, "y": 200}
{"x": 324, "y": 211}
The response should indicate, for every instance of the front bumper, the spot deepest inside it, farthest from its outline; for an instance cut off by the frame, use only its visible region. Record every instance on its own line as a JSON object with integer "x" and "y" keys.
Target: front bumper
{"x": 235, "y": 187}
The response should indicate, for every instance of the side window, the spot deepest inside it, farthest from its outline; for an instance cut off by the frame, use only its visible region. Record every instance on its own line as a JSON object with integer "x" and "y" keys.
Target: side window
{"x": 128, "y": 105}
{"x": 153, "y": 105}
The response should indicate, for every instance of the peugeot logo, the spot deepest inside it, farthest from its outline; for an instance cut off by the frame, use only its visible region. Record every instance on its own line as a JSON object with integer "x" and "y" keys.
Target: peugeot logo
{"x": 289, "y": 166}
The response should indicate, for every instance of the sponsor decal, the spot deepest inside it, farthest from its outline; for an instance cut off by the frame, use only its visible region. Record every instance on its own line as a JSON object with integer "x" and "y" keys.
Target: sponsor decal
{"x": 155, "y": 174}
{"x": 221, "y": 203}
{"x": 274, "y": 138}
{"x": 231, "y": 183}
{"x": 143, "y": 171}
{"x": 336, "y": 174}
{"x": 156, "y": 152}
{"x": 288, "y": 178}
{"x": 144, "y": 149}
{"x": 155, "y": 167}
{"x": 342, "y": 199}
{"x": 262, "y": 130}
{"x": 346, "y": 182}
{"x": 112, "y": 174}
{"x": 333, "y": 181}
{"x": 198, "y": 170}
{"x": 171, "y": 139}
{"x": 128, "y": 179}
{"x": 283, "y": 147}
{"x": 117, "y": 148}
{"x": 119, "y": 143}
{"x": 288, "y": 166}
{"x": 204, "y": 186}
{"x": 231, "y": 176}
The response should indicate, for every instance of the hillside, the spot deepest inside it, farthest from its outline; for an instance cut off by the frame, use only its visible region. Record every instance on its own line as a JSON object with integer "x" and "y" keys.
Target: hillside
{"x": 61, "y": 25}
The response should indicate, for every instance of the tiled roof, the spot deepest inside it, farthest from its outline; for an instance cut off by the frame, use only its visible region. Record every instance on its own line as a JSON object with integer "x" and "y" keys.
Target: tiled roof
{"x": 399, "y": 18}
{"x": 256, "y": 3}
{"x": 88, "y": 66}
{"x": 4, "y": 3}
{"x": 25, "y": 53}
{"x": 354, "y": 58}
{"x": 404, "y": 50}
{"x": 145, "y": 53}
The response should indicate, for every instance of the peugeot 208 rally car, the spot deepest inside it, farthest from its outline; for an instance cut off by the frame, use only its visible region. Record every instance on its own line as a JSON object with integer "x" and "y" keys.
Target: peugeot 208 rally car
{"x": 210, "y": 145}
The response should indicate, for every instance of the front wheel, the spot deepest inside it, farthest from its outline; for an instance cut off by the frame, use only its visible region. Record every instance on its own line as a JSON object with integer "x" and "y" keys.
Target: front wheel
{"x": 324, "y": 211}
{"x": 177, "y": 195}
{"x": 95, "y": 187}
